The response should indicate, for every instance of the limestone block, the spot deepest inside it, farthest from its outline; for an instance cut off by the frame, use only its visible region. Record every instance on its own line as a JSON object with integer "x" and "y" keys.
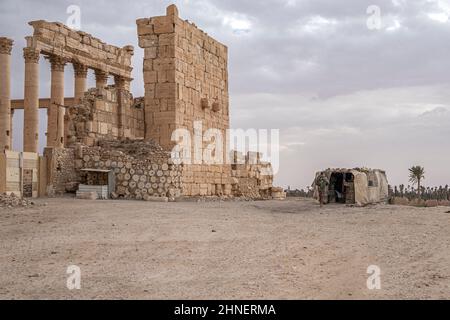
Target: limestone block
{"x": 145, "y": 29}
{"x": 143, "y": 21}
{"x": 150, "y": 90}
{"x": 172, "y": 10}
{"x": 150, "y": 77}
{"x": 148, "y": 65}
{"x": 163, "y": 25}
{"x": 163, "y": 64}
{"x": 165, "y": 90}
{"x": 167, "y": 39}
{"x": 148, "y": 41}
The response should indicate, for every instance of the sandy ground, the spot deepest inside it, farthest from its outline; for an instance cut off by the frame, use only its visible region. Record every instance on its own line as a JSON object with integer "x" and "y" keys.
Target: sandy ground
{"x": 223, "y": 250}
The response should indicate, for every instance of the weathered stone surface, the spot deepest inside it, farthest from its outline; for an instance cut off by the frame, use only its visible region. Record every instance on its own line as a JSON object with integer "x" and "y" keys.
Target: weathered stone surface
{"x": 5, "y": 93}
{"x": 87, "y": 195}
{"x": 186, "y": 82}
{"x": 59, "y": 40}
{"x": 141, "y": 168}
{"x": 155, "y": 199}
{"x": 12, "y": 201}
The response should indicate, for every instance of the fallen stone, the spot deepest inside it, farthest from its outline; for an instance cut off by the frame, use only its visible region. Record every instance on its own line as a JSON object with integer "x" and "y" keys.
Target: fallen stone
{"x": 13, "y": 201}
{"x": 155, "y": 199}
{"x": 87, "y": 195}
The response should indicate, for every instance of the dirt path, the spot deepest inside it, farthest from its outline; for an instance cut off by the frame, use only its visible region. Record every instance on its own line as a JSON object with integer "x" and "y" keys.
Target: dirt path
{"x": 223, "y": 250}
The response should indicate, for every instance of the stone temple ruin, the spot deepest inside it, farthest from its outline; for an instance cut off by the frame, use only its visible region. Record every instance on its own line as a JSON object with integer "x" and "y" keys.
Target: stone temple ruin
{"x": 104, "y": 137}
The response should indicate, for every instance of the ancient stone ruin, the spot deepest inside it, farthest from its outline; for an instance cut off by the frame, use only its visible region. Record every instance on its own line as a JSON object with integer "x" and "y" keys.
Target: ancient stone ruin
{"x": 104, "y": 136}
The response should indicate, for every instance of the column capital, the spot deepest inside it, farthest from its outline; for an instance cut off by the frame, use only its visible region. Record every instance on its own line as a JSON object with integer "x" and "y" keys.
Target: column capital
{"x": 31, "y": 55}
{"x": 57, "y": 63}
{"x": 101, "y": 75}
{"x": 122, "y": 82}
{"x": 6, "y": 45}
{"x": 80, "y": 70}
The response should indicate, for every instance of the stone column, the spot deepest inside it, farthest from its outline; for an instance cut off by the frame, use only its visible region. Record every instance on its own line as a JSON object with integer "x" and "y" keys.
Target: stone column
{"x": 120, "y": 84}
{"x": 127, "y": 84}
{"x": 56, "y": 111}
{"x": 31, "y": 101}
{"x": 80, "y": 72}
{"x": 101, "y": 79}
{"x": 5, "y": 93}
{"x": 12, "y": 130}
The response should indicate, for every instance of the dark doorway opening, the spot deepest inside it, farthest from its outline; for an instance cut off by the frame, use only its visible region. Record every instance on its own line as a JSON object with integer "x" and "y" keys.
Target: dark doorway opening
{"x": 336, "y": 188}
{"x": 27, "y": 183}
{"x": 341, "y": 188}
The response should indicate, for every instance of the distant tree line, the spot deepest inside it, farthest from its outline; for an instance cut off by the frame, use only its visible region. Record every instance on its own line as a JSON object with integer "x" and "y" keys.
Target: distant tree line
{"x": 406, "y": 191}
{"x": 426, "y": 193}
{"x": 418, "y": 191}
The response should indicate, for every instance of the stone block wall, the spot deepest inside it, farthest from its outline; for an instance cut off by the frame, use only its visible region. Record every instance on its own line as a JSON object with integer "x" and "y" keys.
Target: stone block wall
{"x": 251, "y": 180}
{"x": 203, "y": 180}
{"x": 13, "y": 177}
{"x": 186, "y": 80}
{"x": 61, "y": 171}
{"x": 252, "y": 177}
{"x": 141, "y": 169}
{"x": 100, "y": 115}
{"x": 185, "y": 75}
{"x": 58, "y": 39}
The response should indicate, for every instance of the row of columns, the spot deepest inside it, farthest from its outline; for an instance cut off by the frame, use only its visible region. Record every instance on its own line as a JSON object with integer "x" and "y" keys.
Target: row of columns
{"x": 55, "y": 128}
{"x": 56, "y": 111}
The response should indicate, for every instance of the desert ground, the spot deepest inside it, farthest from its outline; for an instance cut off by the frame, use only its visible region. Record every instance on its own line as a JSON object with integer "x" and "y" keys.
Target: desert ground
{"x": 223, "y": 250}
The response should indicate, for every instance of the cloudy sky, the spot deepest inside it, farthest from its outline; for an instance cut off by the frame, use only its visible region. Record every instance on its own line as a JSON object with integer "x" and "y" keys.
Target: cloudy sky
{"x": 345, "y": 89}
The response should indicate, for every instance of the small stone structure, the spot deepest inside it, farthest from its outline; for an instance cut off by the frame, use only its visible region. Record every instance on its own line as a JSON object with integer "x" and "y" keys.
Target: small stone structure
{"x": 20, "y": 172}
{"x": 107, "y": 129}
{"x": 359, "y": 186}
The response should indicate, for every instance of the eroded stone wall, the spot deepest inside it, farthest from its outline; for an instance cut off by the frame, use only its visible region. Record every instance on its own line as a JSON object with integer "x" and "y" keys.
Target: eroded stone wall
{"x": 101, "y": 116}
{"x": 54, "y": 38}
{"x": 186, "y": 83}
{"x": 185, "y": 75}
{"x": 141, "y": 169}
{"x": 61, "y": 171}
{"x": 252, "y": 178}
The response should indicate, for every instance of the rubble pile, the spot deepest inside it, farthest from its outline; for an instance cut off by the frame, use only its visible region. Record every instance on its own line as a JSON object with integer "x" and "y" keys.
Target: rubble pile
{"x": 138, "y": 149}
{"x": 12, "y": 201}
{"x": 107, "y": 113}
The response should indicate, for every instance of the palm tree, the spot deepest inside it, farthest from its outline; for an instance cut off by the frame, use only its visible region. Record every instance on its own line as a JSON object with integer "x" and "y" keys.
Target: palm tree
{"x": 416, "y": 175}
